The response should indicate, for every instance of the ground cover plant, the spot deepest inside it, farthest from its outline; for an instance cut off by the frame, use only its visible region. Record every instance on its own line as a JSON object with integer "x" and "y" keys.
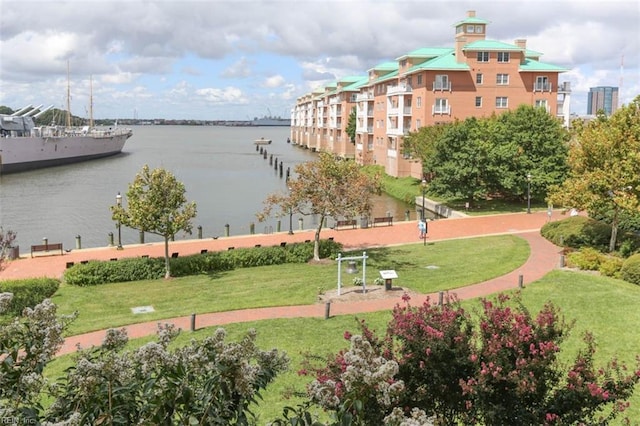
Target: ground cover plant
{"x": 457, "y": 263}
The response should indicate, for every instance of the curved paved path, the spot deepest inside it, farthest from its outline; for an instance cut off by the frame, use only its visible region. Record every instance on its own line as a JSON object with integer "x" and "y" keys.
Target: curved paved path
{"x": 543, "y": 258}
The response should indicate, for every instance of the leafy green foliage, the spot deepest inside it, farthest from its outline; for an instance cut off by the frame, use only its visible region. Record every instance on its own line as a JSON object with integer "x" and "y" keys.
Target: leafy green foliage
{"x": 135, "y": 269}
{"x": 101, "y": 272}
{"x": 351, "y": 125}
{"x": 630, "y": 270}
{"x": 492, "y": 157}
{"x": 327, "y": 187}
{"x": 6, "y": 242}
{"x": 577, "y": 232}
{"x": 156, "y": 204}
{"x": 28, "y": 293}
{"x": 604, "y": 161}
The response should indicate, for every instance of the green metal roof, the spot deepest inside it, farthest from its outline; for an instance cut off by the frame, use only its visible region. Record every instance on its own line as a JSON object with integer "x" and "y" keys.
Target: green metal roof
{"x": 350, "y": 79}
{"x": 386, "y": 66}
{"x": 443, "y": 62}
{"x": 530, "y": 65}
{"x": 491, "y": 45}
{"x": 472, "y": 20}
{"x": 386, "y": 77}
{"x": 426, "y": 52}
{"x": 356, "y": 85}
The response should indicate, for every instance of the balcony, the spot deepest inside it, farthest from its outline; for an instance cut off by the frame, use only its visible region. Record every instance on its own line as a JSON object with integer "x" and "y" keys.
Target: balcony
{"x": 542, "y": 87}
{"x": 442, "y": 86}
{"x": 361, "y": 97}
{"x": 441, "y": 109}
{"x": 399, "y": 89}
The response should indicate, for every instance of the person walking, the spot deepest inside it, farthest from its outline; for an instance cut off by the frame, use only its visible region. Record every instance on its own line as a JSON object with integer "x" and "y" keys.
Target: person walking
{"x": 422, "y": 228}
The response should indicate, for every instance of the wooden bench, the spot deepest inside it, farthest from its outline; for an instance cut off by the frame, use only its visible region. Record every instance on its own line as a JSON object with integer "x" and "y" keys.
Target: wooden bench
{"x": 386, "y": 219}
{"x": 46, "y": 248}
{"x": 346, "y": 223}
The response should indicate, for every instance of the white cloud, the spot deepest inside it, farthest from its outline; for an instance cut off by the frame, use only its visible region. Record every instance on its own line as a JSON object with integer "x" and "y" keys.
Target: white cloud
{"x": 297, "y": 45}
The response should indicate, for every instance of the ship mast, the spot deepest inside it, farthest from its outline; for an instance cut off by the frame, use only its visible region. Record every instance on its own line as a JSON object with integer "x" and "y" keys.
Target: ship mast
{"x": 68, "y": 98}
{"x": 91, "y": 101}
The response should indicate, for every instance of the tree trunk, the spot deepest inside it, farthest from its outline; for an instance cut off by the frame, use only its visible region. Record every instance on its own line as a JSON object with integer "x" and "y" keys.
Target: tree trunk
{"x": 614, "y": 231}
{"x": 167, "y": 265}
{"x": 316, "y": 241}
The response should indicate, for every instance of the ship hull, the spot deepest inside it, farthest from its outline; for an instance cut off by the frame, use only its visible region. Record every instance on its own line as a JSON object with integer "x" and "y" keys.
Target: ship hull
{"x": 18, "y": 154}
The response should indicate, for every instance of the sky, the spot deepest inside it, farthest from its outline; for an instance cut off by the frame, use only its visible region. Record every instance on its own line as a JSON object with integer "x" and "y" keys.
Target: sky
{"x": 241, "y": 59}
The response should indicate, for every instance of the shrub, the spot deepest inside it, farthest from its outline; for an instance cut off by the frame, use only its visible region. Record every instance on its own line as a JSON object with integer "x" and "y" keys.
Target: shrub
{"x": 28, "y": 293}
{"x": 630, "y": 270}
{"x": 630, "y": 244}
{"x": 135, "y": 269}
{"x": 586, "y": 259}
{"x": 98, "y": 272}
{"x": 610, "y": 266}
{"x": 577, "y": 232}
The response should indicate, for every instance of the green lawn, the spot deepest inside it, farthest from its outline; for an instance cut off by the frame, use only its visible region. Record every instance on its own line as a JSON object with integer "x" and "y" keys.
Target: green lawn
{"x": 606, "y": 307}
{"x": 459, "y": 263}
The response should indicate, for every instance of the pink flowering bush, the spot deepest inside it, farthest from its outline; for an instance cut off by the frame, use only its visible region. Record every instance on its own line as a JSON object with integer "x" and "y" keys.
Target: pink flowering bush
{"x": 501, "y": 368}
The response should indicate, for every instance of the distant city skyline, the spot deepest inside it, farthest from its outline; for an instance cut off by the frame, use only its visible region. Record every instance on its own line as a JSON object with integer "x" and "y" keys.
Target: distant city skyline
{"x": 241, "y": 59}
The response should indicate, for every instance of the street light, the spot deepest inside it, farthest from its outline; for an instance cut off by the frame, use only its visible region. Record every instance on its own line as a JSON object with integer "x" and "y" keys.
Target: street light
{"x": 290, "y": 216}
{"x": 424, "y": 219}
{"x": 529, "y": 193}
{"x": 119, "y": 204}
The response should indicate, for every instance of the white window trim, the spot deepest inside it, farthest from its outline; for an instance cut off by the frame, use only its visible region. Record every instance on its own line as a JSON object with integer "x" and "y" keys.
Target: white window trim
{"x": 501, "y": 81}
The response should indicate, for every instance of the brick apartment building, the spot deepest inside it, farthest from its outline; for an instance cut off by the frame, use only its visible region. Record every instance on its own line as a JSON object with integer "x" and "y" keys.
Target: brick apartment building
{"x": 476, "y": 77}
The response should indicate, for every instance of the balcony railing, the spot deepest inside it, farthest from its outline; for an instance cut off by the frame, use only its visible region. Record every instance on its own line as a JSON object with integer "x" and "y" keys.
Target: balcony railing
{"x": 399, "y": 89}
{"x": 442, "y": 86}
{"x": 364, "y": 97}
{"x": 440, "y": 109}
{"x": 542, "y": 87}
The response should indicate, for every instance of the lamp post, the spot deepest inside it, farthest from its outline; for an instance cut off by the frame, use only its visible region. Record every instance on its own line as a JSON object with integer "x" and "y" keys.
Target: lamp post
{"x": 528, "y": 193}
{"x": 290, "y": 216}
{"x": 424, "y": 218}
{"x": 119, "y": 204}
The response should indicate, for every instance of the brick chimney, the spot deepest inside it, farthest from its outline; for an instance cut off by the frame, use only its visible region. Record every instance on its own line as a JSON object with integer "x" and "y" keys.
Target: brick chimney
{"x": 521, "y": 43}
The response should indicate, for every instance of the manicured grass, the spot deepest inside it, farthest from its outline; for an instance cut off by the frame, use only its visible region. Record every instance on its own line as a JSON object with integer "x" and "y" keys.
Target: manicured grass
{"x": 604, "y": 306}
{"x": 438, "y": 266}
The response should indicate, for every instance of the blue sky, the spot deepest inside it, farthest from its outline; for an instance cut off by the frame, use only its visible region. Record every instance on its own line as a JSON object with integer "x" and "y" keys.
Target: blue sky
{"x": 240, "y": 59}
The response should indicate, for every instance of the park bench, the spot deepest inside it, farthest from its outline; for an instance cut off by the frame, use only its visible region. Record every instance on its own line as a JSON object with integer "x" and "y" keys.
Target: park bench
{"x": 386, "y": 219}
{"x": 46, "y": 248}
{"x": 346, "y": 223}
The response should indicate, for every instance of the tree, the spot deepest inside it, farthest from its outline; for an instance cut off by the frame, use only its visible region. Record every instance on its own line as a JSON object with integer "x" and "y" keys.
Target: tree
{"x": 156, "y": 204}
{"x": 6, "y": 242}
{"x": 492, "y": 156}
{"x": 326, "y": 187}
{"x": 604, "y": 161}
{"x": 351, "y": 125}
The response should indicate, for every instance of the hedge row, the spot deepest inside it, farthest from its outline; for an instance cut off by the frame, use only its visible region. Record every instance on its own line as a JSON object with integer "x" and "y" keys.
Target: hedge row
{"x": 28, "y": 293}
{"x": 135, "y": 269}
{"x": 578, "y": 231}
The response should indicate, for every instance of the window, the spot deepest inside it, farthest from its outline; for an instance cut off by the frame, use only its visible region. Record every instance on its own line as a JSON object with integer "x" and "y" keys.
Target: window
{"x": 502, "y": 78}
{"x": 502, "y": 102}
{"x": 483, "y": 56}
{"x": 409, "y": 81}
{"x": 441, "y": 106}
{"x": 479, "y": 78}
{"x": 419, "y": 102}
{"x": 542, "y": 103}
{"x": 418, "y": 124}
{"x": 470, "y": 28}
{"x": 542, "y": 84}
{"x": 442, "y": 82}
{"x": 419, "y": 79}
{"x": 478, "y": 101}
{"x": 479, "y": 29}
{"x": 503, "y": 56}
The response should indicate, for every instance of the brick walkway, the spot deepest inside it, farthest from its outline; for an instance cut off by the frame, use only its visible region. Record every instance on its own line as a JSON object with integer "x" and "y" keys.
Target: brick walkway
{"x": 544, "y": 257}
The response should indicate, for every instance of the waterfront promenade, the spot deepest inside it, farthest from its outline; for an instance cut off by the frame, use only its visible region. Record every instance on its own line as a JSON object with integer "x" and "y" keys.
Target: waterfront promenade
{"x": 543, "y": 258}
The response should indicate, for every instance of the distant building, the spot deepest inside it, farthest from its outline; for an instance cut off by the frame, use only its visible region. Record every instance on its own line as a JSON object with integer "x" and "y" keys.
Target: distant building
{"x": 602, "y": 98}
{"x": 476, "y": 77}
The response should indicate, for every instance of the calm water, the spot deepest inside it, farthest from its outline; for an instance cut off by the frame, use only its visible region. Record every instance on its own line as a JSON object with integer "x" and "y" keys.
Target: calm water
{"x": 219, "y": 166}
